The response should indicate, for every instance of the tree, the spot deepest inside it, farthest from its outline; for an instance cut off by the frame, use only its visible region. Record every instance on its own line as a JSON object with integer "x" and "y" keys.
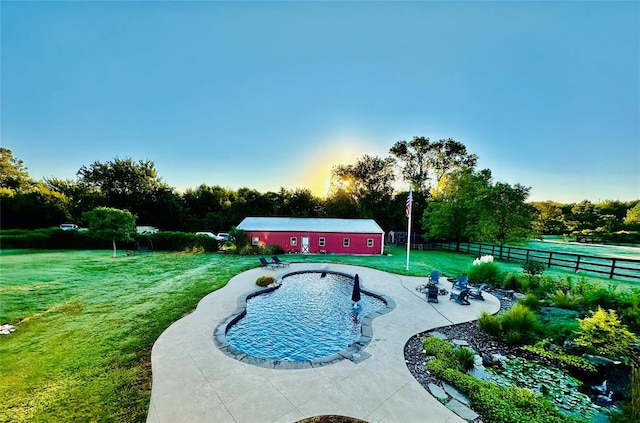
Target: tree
{"x": 134, "y": 186}
{"x": 452, "y": 212}
{"x": 414, "y": 155}
{"x": 107, "y": 223}
{"x": 369, "y": 183}
{"x": 13, "y": 174}
{"x": 504, "y": 216}
{"x": 425, "y": 163}
{"x": 549, "y": 218}
{"x": 633, "y": 216}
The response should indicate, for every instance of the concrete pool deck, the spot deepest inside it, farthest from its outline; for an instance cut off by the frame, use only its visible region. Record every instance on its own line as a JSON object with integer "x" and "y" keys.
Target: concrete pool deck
{"x": 193, "y": 381}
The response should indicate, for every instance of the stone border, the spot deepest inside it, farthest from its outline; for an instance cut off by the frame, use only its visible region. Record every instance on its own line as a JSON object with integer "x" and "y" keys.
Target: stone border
{"x": 354, "y": 353}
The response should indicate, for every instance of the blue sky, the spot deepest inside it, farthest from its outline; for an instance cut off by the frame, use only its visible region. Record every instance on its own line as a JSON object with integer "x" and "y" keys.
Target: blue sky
{"x": 272, "y": 94}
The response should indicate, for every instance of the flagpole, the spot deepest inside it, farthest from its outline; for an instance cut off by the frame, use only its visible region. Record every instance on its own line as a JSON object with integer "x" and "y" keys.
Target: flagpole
{"x": 410, "y": 206}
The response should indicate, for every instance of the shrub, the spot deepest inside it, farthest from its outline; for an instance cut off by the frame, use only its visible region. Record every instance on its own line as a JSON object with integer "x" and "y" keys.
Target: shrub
{"x": 466, "y": 358}
{"x": 239, "y": 238}
{"x": 533, "y": 267}
{"x": 179, "y": 241}
{"x": 514, "y": 337}
{"x": 489, "y": 324}
{"x": 265, "y": 281}
{"x": 530, "y": 301}
{"x": 596, "y": 295}
{"x": 487, "y": 272}
{"x": 519, "y": 319}
{"x": 603, "y": 334}
{"x": 512, "y": 282}
{"x": 562, "y": 299}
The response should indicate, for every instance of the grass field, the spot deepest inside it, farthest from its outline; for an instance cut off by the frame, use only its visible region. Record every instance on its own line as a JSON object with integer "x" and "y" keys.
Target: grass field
{"x": 585, "y": 249}
{"x": 86, "y": 322}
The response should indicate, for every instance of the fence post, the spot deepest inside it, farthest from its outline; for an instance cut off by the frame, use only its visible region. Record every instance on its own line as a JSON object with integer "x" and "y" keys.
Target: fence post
{"x": 508, "y": 253}
{"x": 527, "y": 257}
{"x": 613, "y": 268}
{"x": 550, "y": 255}
{"x": 578, "y": 262}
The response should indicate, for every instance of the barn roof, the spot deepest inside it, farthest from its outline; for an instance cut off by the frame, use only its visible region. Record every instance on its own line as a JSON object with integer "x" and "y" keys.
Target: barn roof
{"x": 309, "y": 224}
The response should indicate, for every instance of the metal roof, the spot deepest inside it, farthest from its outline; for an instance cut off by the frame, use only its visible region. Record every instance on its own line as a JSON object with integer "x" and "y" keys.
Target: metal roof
{"x": 309, "y": 224}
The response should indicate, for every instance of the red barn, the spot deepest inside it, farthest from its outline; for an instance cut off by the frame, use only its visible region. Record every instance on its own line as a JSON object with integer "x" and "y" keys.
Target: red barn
{"x": 315, "y": 234}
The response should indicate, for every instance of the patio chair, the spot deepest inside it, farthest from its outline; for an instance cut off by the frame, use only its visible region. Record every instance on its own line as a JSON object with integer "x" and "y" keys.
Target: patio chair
{"x": 265, "y": 263}
{"x": 434, "y": 277}
{"x": 461, "y": 283}
{"x": 432, "y": 294}
{"x": 276, "y": 260}
{"x": 476, "y": 294}
{"x": 461, "y": 298}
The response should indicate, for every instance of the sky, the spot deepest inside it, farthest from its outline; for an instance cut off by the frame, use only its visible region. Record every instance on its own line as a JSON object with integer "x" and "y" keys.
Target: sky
{"x": 271, "y": 95}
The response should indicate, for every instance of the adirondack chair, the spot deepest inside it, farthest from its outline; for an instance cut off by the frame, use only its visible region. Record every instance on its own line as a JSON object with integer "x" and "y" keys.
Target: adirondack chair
{"x": 461, "y": 283}
{"x": 461, "y": 298}
{"x": 476, "y": 294}
{"x": 432, "y": 294}
{"x": 434, "y": 277}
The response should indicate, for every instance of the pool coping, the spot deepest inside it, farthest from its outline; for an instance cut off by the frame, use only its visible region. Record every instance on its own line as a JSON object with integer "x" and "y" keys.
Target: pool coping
{"x": 354, "y": 353}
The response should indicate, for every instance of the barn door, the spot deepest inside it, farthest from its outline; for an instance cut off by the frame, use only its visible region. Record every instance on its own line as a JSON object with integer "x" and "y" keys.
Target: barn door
{"x": 305, "y": 244}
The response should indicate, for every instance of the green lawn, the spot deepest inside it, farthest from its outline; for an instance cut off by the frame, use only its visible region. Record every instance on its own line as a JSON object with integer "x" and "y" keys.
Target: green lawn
{"x": 86, "y": 322}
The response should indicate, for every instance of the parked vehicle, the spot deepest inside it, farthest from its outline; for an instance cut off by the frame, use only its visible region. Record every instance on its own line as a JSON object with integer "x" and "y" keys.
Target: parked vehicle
{"x": 147, "y": 230}
{"x": 222, "y": 236}
{"x": 210, "y": 234}
{"x": 69, "y": 227}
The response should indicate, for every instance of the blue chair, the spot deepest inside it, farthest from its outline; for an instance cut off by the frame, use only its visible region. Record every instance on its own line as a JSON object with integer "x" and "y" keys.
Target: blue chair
{"x": 462, "y": 297}
{"x": 461, "y": 283}
{"x": 276, "y": 260}
{"x": 476, "y": 294}
{"x": 434, "y": 277}
{"x": 265, "y": 263}
{"x": 432, "y": 294}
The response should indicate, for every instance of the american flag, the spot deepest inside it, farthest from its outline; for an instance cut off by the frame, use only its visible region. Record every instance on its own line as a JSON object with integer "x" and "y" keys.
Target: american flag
{"x": 407, "y": 207}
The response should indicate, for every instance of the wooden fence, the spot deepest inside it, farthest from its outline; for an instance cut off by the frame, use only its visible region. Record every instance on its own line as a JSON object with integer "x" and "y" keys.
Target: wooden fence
{"x": 610, "y": 266}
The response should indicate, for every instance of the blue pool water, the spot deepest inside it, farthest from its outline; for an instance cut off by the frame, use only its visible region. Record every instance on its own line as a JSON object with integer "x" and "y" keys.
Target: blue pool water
{"x": 308, "y": 317}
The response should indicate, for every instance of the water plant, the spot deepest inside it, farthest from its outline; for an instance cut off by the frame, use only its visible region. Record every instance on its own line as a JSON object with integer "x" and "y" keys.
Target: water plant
{"x": 497, "y": 403}
{"x": 553, "y": 384}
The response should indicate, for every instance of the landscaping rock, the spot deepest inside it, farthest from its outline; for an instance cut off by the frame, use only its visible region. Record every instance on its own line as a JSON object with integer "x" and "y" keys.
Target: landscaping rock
{"x": 456, "y": 394}
{"x": 7, "y": 329}
{"x": 437, "y": 392}
{"x": 461, "y": 410}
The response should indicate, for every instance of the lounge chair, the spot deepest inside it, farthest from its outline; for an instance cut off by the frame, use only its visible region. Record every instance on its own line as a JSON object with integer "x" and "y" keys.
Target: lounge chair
{"x": 432, "y": 294}
{"x": 434, "y": 277}
{"x": 462, "y": 297}
{"x": 265, "y": 263}
{"x": 461, "y": 283}
{"x": 276, "y": 260}
{"x": 476, "y": 294}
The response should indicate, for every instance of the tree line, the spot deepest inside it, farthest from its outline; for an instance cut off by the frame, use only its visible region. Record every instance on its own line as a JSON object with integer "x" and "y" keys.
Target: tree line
{"x": 452, "y": 199}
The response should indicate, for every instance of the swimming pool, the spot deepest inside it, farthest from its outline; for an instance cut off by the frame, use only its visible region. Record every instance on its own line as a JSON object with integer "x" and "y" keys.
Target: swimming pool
{"x": 309, "y": 318}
